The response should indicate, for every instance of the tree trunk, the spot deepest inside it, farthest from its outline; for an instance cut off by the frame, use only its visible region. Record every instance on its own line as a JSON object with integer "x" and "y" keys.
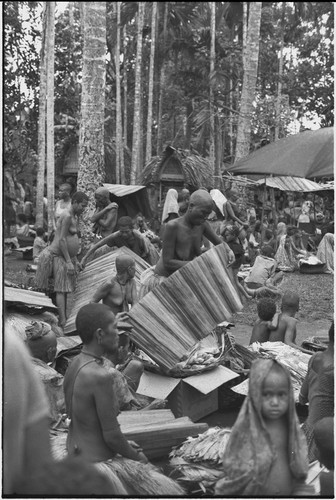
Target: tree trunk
{"x": 119, "y": 145}
{"x": 42, "y": 125}
{"x": 125, "y": 139}
{"x": 162, "y": 79}
{"x": 151, "y": 85}
{"x": 50, "y": 114}
{"x": 279, "y": 89}
{"x": 136, "y": 117}
{"x": 211, "y": 94}
{"x": 249, "y": 80}
{"x": 91, "y": 173}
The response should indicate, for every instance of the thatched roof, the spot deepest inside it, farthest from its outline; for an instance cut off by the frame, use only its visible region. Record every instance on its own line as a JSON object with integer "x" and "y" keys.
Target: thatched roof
{"x": 195, "y": 169}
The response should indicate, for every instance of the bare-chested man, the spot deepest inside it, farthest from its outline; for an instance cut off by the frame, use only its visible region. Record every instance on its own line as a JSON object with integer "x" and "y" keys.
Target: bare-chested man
{"x": 91, "y": 397}
{"x": 182, "y": 239}
{"x": 119, "y": 292}
{"x": 106, "y": 214}
{"x": 286, "y": 330}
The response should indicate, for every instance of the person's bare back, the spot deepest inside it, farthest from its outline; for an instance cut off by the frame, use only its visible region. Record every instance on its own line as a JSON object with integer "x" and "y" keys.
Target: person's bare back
{"x": 92, "y": 383}
{"x": 279, "y": 480}
{"x": 286, "y": 329}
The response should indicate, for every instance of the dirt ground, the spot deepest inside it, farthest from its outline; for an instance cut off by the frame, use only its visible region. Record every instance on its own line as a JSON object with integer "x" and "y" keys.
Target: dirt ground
{"x": 316, "y": 299}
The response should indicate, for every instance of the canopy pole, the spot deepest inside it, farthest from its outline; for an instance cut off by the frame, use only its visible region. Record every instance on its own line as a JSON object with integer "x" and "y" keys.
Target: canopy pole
{"x": 262, "y": 216}
{"x": 293, "y": 215}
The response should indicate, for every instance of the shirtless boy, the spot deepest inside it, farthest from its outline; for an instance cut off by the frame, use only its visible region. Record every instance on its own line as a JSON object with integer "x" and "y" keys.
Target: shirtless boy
{"x": 182, "y": 240}
{"x": 89, "y": 388}
{"x": 261, "y": 329}
{"x": 286, "y": 330}
{"x": 120, "y": 292}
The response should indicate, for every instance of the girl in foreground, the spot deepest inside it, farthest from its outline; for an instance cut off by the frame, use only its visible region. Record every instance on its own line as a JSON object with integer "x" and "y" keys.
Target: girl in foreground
{"x": 267, "y": 451}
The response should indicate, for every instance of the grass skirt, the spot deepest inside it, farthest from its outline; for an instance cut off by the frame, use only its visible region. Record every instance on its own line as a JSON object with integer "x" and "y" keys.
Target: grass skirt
{"x": 64, "y": 282}
{"x": 44, "y": 269}
{"x": 127, "y": 477}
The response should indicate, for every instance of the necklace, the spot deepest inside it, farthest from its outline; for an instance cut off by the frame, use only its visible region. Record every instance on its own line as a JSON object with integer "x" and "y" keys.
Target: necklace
{"x": 99, "y": 359}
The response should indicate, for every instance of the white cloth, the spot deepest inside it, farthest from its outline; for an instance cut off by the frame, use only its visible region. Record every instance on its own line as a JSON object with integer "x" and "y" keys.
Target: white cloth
{"x": 219, "y": 199}
{"x": 171, "y": 205}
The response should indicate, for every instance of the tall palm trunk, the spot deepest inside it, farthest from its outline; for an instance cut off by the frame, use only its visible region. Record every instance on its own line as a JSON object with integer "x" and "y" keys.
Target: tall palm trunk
{"x": 136, "y": 117}
{"x": 250, "y": 58}
{"x": 42, "y": 124}
{"x": 125, "y": 128}
{"x": 212, "y": 69}
{"x": 151, "y": 85}
{"x": 162, "y": 79}
{"x": 280, "y": 75}
{"x": 119, "y": 145}
{"x": 91, "y": 171}
{"x": 50, "y": 115}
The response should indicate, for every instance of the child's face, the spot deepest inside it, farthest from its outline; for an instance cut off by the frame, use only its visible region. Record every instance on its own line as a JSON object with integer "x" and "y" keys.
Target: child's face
{"x": 275, "y": 395}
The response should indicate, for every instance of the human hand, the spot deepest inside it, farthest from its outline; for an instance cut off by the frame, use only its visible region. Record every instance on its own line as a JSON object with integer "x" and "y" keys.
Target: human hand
{"x": 70, "y": 268}
{"x": 121, "y": 316}
{"x": 231, "y": 257}
{"x": 82, "y": 263}
{"x": 142, "y": 458}
{"x": 111, "y": 206}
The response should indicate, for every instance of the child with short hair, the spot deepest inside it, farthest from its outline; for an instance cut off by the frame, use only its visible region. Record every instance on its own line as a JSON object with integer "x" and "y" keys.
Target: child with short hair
{"x": 285, "y": 330}
{"x": 39, "y": 244}
{"x": 266, "y": 311}
{"x": 263, "y": 273}
{"x": 266, "y": 454}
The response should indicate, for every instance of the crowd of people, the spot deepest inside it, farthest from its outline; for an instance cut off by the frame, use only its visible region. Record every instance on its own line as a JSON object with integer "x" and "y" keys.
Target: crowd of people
{"x": 268, "y": 452}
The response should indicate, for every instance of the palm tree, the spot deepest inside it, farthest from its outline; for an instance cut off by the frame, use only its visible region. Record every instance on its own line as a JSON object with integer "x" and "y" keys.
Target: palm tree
{"x": 41, "y": 124}
{"x": 50, "y": 113}
{"x": 136, "y": 118}
{"x": 162, "y": 79}
{"x": 212, "y": 69}
{"x": 250, "y": 62}
{"x": 119, "y": 144}
{"x": 151, "y": 85}
{"x": 91, "y": 172}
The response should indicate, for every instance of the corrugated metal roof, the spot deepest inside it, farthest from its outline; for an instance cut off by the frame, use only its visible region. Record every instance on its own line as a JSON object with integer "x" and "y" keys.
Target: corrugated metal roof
{"x": 121, "y": 190}
{"x": 287, "y": 183}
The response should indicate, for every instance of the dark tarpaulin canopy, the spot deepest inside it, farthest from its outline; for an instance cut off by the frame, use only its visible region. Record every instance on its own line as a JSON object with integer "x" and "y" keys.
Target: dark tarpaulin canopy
{"x": 308, "y": 154}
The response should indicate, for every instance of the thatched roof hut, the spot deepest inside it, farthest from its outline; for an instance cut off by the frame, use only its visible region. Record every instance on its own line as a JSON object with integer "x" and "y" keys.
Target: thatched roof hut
{"x": 175, "y": 168}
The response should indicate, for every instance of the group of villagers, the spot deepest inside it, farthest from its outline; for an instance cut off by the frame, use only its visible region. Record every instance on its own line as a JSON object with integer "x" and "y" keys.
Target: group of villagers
{"x": 267, "y": 453}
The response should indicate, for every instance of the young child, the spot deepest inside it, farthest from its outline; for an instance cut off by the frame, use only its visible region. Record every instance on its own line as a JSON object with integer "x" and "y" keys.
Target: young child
{"x": 285, "y": 330}
{"x": 39, "y": 244}
{"x": 261, "y": 330}
{"x": 263, "y": 273}
{"x": 120, "y": 292}
{"x": 267, "y": 452}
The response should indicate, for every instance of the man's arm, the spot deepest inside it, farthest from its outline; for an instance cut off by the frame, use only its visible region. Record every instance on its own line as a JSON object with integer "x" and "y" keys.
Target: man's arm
{"x": 107, "y": 411}
{"x": 134, "y": 294}
{"x": 109, "y": 240}
{"x": 112, "y": 213}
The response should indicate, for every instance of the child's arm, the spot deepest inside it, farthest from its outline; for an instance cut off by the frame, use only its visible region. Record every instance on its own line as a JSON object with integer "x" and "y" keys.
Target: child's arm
{"x": 290, "y": 335}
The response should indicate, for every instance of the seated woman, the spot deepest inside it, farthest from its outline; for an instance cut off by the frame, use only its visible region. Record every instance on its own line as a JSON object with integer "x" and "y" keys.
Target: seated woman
{"x": 283, "y": 255}
{"x": 325, "y": 252}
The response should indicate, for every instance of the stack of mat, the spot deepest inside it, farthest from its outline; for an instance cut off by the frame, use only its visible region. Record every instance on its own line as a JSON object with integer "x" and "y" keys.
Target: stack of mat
{"x": 95, "y": 273}
{"x": 174, "y": 316}
{"x": 156, "y": 432}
